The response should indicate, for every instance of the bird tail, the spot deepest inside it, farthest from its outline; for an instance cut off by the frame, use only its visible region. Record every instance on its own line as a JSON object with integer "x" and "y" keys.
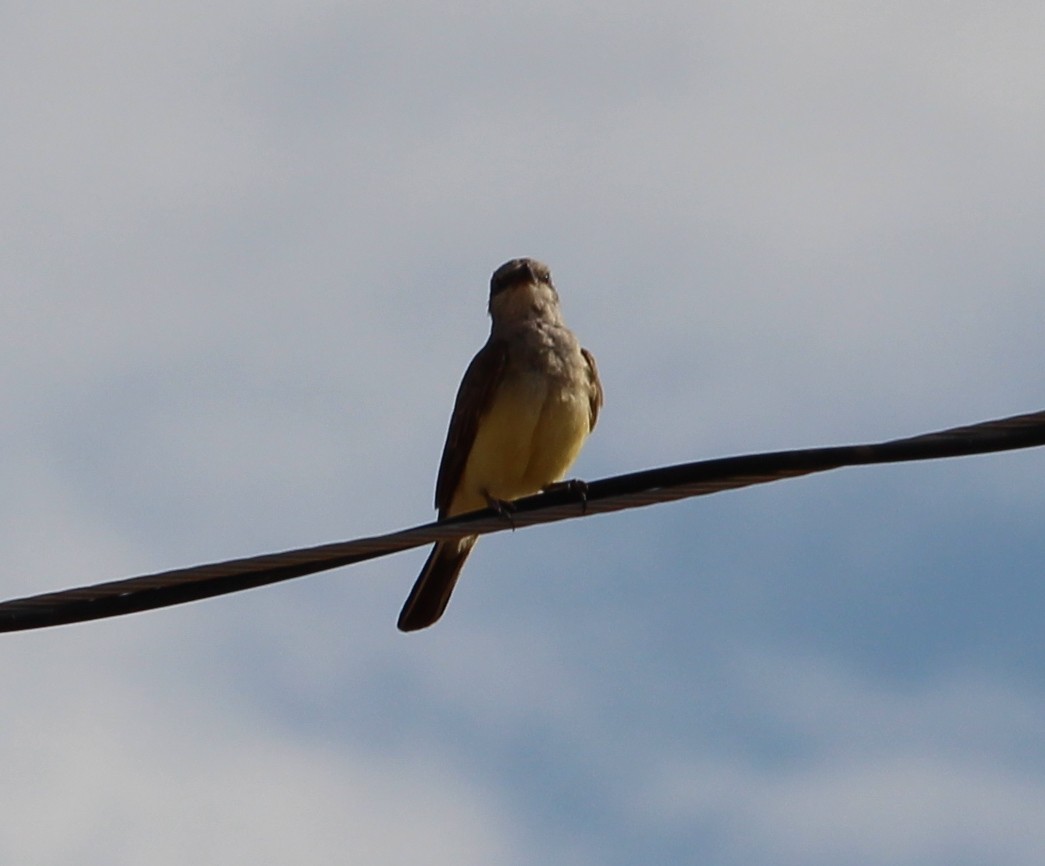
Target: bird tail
{"x": 431, "y": 592}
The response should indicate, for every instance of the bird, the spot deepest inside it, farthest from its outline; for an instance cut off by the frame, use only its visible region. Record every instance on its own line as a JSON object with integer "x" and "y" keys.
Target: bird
{"x": 527, "y": 402}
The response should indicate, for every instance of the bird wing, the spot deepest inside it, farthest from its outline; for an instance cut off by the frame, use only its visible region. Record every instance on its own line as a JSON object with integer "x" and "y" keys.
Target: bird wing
{"x": 474, "y": 397}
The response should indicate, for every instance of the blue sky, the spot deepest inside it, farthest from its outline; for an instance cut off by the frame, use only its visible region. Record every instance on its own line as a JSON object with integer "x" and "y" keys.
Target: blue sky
{"x": 246, "y": 257}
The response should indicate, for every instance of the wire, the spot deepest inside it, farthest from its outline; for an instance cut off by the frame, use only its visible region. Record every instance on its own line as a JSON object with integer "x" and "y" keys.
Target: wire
{"x": 567, "y": 501}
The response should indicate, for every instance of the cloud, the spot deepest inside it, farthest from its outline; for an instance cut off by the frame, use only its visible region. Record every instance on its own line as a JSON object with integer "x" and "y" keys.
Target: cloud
{"x": 111, "y": 768}
{"x": 245, "y": 262}
{"x": 874, "y": 774}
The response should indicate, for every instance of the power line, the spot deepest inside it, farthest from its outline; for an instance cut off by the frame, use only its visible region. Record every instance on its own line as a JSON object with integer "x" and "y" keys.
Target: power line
{"x": 633, "y": 490}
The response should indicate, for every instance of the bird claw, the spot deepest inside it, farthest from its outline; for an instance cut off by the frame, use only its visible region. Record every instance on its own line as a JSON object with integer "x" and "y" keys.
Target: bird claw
{"x": 503, "y": 507}
{"x": 576, "y": 486}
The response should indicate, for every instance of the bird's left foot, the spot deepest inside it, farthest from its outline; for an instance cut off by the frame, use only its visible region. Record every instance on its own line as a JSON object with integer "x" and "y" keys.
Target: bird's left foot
{"x": 576, "y": 486}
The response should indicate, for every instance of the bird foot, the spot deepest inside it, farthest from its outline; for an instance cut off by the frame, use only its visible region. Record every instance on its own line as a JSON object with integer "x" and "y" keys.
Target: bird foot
{"x": 503, "y": 507}
{"x": 576, "y": 486}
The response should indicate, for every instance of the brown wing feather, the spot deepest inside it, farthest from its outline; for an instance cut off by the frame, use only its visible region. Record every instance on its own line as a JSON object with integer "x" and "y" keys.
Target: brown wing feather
{"x": 595, "y": 398}
{"x": 473, "y": 400}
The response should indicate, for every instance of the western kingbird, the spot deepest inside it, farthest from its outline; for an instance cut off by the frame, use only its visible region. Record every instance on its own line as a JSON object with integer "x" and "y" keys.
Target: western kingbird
{"x": 527, "y": 402}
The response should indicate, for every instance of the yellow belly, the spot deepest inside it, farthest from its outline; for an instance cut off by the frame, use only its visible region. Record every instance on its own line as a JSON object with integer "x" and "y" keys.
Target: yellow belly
{"x": 527, "y": 440}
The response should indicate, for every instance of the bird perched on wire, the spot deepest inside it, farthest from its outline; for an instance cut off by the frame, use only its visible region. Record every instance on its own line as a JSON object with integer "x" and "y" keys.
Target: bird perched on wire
{"x": 527, "y": 402}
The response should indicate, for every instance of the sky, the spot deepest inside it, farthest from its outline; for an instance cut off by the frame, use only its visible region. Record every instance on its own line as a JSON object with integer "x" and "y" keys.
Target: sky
{"x": 246, "y": 251}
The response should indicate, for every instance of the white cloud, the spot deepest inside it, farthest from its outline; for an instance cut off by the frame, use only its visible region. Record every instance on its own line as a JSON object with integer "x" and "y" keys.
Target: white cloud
{"x": 891, "y": 809}
{"x": 245, "y": 261}
{"x": 116, "y": 771}
{"x": 875, "y": 774}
